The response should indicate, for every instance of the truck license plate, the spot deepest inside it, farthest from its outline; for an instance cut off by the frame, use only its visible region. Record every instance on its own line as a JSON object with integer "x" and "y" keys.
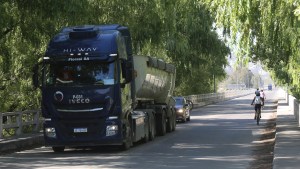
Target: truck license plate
{"x": 80, "y": 130}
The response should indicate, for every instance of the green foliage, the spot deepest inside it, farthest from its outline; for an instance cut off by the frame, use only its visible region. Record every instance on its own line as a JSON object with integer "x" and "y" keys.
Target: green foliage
{"x": 267, "y": 31}
{"x": 178, "y": 31}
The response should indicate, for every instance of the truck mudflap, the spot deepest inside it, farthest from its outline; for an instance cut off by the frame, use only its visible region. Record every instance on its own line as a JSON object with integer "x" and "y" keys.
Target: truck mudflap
{"x": 140, "y": 126}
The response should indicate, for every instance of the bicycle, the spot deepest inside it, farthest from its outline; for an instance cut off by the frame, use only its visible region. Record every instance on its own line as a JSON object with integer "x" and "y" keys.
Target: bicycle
{"x": 257, "y": 100}
{"x": 258, "y": 115}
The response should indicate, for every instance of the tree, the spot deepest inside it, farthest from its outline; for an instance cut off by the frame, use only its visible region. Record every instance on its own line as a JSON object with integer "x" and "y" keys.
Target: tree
{"x": 267, "y": 31}
{"x": 180, "y": 32}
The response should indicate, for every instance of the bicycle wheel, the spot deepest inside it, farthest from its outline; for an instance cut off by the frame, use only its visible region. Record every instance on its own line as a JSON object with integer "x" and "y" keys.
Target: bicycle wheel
{"x": 258, "y": 117}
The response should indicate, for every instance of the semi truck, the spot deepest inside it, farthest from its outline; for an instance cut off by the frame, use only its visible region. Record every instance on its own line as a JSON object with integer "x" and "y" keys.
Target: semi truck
{"x": 95, "y": 92}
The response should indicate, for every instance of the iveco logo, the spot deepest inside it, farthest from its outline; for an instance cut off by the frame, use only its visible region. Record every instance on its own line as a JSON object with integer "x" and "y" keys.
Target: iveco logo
{"x": 58, "y": 96}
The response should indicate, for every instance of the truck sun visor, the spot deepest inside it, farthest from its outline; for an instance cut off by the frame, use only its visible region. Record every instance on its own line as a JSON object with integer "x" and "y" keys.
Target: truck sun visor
{"x": 83, "y": 32}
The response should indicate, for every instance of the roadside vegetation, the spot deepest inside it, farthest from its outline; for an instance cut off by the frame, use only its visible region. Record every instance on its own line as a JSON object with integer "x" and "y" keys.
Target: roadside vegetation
{"x": 180, "y": 32}
{"x": 265, "y": 31}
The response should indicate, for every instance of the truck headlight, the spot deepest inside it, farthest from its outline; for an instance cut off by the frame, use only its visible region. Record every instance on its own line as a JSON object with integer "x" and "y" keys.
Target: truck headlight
{"x": 50, "y": 132}
{"x": 111, "y": 130}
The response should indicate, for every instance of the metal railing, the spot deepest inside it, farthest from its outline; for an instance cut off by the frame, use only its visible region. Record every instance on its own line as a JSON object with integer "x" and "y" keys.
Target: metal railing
{"x": 18, "y": 121}
{"x": 204, "y": 99}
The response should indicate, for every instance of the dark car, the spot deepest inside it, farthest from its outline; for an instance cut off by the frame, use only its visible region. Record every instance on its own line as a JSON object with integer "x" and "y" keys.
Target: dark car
{"x": 183, "y": 108}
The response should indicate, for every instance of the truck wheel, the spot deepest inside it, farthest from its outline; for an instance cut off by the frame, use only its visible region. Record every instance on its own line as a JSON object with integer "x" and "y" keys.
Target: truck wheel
{"x": 146, "y": 138}
{"x": 58, "y": 149}
{"x": 146, "y": 131}
{"x": 128, "y": 140}
{"x": 169, "y": 124}
{"x": 174, "y": 121}
{"x": 161, "y": 124}
{"x": 152, "y": 129}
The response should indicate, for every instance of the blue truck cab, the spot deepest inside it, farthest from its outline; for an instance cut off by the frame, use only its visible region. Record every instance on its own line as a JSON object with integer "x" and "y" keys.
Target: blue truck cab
{"x": 85, "y": 81}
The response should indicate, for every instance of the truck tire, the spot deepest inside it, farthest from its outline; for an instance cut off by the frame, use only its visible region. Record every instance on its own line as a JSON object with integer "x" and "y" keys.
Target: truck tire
{"x": 170, "y": 121}
{"x": 169, "y": 124}
{"x": 58, "y": 149}
{"x": 152, "y": 128}
{"x": 174, "y": 120}
{"x": 146, "y": 138}
{"x": 161, "y": 123}
{"x": 146, "y": 130}
{"x": 128, "y": 140}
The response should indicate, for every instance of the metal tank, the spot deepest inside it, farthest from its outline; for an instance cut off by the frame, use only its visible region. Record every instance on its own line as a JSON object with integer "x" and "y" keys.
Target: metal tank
{"x": 155, "y": 79}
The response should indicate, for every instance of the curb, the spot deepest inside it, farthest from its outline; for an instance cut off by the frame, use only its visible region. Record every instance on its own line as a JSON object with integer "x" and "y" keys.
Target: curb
{"x": 21, "y": 143}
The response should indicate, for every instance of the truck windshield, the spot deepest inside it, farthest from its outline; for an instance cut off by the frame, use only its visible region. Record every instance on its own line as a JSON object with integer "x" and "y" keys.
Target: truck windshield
{"x": 79, "y": 73}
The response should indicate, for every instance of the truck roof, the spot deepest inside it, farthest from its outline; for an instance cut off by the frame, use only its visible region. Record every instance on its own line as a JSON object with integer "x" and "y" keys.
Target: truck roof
{"x": 90, "y": 40}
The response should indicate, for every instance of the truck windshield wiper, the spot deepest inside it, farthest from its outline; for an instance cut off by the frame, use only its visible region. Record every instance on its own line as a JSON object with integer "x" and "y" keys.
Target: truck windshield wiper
{"x": 64, "y": 81}
{"x": 100, "y": 82}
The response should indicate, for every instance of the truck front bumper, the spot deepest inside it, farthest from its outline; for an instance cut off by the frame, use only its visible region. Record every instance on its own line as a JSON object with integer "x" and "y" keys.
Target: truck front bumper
{"x": 91, "y": 132}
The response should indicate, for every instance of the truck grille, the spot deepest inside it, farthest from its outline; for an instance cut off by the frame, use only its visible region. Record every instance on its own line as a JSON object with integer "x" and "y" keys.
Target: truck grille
{"x": 89, "y": 111}
{"x": 94, "y": 127}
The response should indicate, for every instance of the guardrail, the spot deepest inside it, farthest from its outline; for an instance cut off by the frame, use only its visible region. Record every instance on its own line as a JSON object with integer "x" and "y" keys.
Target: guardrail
{"x": 18, "y": 121}
{"x": 205, "y": 99}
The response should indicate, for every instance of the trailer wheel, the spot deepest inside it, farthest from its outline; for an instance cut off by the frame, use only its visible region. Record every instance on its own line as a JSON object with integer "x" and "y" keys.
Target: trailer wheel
{"x": 147, "y": 130}
{"x": 174, "y": 120}
{"x": 58, "y": 149}
{"x": 146, "y": 138}
{"x": 170, "y": 123}
{"x": 161, "y": 123}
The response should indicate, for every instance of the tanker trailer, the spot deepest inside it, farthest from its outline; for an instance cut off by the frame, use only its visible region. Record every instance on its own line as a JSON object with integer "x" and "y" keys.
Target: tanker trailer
{"x": 154, "y": 85}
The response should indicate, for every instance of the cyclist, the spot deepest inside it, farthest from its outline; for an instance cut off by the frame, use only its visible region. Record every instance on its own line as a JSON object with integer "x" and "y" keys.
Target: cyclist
{"x": 263, "y": 97}
{"x": 257, "y": 91}
{"x": 258, "y": 102}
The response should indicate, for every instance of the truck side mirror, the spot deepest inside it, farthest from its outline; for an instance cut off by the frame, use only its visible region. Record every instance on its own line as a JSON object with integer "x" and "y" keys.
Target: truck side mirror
{"x": 35, "y": 76}
{"x": 127, "y": 70}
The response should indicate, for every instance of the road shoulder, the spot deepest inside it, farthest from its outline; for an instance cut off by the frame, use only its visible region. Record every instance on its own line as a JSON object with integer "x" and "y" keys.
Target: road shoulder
{"x": 287, "y": 144}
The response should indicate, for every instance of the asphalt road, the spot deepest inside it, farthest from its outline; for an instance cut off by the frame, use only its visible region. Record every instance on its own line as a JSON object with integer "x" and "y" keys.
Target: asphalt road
{"x": 223, "y": 135}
